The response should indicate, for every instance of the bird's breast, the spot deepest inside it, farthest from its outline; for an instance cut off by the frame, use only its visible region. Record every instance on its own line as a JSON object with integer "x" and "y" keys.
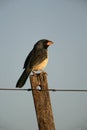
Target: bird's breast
{"x": 41, "y": 66}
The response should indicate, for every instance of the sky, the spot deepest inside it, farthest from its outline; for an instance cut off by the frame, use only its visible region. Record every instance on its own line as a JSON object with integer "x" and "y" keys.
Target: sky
{"x": 22, "y": 24}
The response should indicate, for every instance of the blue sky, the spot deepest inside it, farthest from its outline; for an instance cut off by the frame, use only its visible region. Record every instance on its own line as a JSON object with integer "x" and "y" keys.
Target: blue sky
{"x": 22, "y": 23}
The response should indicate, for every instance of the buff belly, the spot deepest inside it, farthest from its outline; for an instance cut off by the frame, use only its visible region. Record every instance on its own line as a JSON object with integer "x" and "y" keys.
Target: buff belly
{"x": 41, "y": 66}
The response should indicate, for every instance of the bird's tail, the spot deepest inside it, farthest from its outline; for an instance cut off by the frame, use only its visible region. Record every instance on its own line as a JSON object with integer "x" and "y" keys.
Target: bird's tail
{"x": 23, "y": 79}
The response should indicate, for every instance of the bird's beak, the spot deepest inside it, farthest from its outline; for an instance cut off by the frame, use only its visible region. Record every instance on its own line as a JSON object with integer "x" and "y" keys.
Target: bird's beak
{"x": 49, "y": 43}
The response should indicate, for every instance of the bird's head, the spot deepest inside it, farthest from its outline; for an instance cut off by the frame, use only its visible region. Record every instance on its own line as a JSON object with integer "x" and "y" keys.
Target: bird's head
{"x": 43, "y": 44}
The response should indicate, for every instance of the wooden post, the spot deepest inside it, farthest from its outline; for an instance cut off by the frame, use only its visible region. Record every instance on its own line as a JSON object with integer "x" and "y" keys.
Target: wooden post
{"x": 42, "y": 101}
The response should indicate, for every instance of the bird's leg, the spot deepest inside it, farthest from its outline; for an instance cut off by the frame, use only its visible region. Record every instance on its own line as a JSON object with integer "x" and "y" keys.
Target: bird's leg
{"x": 34, "y": 73}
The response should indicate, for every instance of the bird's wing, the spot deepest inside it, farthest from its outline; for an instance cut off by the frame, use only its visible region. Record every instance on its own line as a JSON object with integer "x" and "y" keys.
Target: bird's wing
{"x": 28, "y": 59}
{"x": 38, "y": 57}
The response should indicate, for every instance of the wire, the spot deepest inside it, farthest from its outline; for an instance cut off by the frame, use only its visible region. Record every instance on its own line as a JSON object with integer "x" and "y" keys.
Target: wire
{"x": 53, "y": 90}
{"x": 14, "y": 89}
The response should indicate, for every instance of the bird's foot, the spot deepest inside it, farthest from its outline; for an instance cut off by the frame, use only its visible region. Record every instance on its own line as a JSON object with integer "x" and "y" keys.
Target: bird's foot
{"x": 34, "y": 74}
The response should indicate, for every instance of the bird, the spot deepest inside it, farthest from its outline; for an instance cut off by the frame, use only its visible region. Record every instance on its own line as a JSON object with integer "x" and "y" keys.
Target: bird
{"x": 36, "y": 60}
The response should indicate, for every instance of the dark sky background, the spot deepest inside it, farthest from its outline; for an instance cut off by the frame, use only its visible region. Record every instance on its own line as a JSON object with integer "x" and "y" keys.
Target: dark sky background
{"x": 24, "y": 22}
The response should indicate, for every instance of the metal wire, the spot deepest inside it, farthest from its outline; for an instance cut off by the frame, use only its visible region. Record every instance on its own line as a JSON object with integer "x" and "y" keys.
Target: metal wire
{"x": 53, "y": 90}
